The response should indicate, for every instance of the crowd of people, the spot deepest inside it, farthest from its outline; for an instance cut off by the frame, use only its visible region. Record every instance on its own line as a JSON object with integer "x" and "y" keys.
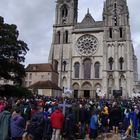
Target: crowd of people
{"x": 49, "y": 118}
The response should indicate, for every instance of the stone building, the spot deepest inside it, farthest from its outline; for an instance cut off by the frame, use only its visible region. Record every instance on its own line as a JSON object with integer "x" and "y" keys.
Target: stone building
{"x": 42, "y": 79}
{"x": 93, "y": 55}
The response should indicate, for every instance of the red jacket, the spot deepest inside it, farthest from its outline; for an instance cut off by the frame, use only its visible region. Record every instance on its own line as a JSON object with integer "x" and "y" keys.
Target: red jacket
{"x": 57, "y": 119}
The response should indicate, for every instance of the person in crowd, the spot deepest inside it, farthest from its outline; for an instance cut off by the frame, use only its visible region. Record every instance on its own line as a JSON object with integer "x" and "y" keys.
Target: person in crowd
{"x": 2, "y": 105}
{"x": 115, "y": 117}
{"x": 69, "y": 125}
{"x": 57, "y": 120}
{"x": 94, "y": 125}
{"x": 17, "y": 125}
{"x": 133, "y": 118}
{"x": 5, "y": 123}
{"x": 82, "y": 120}
{"x": 36, "y": 125}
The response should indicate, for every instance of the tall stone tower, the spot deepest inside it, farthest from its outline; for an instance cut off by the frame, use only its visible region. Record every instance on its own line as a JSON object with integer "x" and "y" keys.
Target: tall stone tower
{"x": 60, "y": 53}
{"x": 93, "y": 55}
{"x": 119, "y": 52}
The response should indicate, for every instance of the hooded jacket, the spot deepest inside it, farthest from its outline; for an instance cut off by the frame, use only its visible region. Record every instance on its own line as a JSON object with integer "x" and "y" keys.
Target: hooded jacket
{"x": 4, "y": 125}
{"x": 17, "y": 125}
{"x": 57, "y": 119}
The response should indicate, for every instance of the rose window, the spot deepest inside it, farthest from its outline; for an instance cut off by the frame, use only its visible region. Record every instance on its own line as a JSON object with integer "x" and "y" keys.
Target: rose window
{"x": 87, "y": 45}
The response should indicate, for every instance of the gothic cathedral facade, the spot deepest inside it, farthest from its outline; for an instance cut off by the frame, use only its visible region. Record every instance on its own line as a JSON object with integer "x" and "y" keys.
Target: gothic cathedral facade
{"x": 93, "y": 55}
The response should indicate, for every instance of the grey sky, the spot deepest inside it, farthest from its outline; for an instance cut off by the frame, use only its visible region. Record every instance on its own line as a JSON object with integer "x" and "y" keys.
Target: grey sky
{"x": 35, "y": 18}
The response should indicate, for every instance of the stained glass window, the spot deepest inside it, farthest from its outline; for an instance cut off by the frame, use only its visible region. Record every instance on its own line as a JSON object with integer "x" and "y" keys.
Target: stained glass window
{"x": 97, "y": 70}
{"x": 87, "y": 69}
{"x": 76, "y": 70}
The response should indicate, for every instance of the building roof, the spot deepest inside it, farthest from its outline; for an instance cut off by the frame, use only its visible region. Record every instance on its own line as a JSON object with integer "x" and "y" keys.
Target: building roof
{"x": 43, "y": 67}
{"x": 44, "y": 85}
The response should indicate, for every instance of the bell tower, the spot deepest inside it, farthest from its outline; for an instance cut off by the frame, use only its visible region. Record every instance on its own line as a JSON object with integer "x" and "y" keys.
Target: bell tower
{"x": 115, "y": 13}
{"x": 118, "y": 50}
{"x": 116, "y": 19}
{"x": 66, "y": 12}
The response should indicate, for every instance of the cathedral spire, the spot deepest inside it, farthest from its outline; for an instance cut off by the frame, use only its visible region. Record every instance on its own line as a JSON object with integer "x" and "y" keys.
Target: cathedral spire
{"x": 88, "y": 11}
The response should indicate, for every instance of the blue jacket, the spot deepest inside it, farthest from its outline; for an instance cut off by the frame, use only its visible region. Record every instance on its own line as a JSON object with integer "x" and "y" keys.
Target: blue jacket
{"x": 94, "y": 122}
{"x": 133, "y": 117}
{"x": 17, "y": 125}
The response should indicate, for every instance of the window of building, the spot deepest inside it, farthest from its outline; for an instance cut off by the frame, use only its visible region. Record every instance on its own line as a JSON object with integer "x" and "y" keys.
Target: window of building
{"x": 64, "y": 11}
{"x": 87, "y": 69}
{"x": 64, "y": 14}
{"x": 55, "y": 65}
{"x": 66, "y": 37}
{"x": 97, "y": 70}
{"x": 121, "y": 61}
{"x": 30, "y": 76}
{"x": 64, "y": 65}
{"x": 115, "y": 5}
{"x": 58, "y": 37}
{"x": 30, "y": 83}
{"x": 110, "y": 32}
{"x": 121, "y": 32}
{"x": 110, "y": 61}
{"x": 76, "y": 69}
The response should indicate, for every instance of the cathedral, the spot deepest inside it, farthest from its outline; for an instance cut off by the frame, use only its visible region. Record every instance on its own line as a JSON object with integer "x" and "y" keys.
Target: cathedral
{"x": 94, "y": 55}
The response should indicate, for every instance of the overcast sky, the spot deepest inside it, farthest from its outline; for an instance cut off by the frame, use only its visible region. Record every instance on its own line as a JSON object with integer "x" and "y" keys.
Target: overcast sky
{"x": 34, "y": 19}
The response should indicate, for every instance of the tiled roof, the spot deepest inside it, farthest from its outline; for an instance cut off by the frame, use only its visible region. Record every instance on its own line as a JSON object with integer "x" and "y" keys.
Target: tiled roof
{"x": 44, "y": 85}
{"x": 44, "y": 67}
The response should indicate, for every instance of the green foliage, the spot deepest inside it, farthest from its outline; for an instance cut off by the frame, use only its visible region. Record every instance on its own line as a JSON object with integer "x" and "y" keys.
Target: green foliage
{"x": 12, "y": 52}
{"x": 14, "y": 91}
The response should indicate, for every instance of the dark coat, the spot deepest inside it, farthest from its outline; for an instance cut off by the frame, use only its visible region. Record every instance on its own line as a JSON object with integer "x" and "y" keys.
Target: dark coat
{"x": 4, "y": 125}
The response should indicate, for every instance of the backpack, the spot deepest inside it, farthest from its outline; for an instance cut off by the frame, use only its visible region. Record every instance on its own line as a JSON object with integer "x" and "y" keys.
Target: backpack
{"x": 36, "y": 126}
{"x": 47, "y": 134}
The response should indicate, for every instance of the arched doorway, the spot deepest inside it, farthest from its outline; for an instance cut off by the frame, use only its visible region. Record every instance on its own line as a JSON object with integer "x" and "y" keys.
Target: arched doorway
{"x": 75, "y": 90}
{"x": 86, "y": 87}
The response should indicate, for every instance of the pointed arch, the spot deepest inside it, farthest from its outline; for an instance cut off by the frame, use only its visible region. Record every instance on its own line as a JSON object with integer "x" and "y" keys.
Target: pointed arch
{"x": 75, "y": 86}
{"x": 86, "y": 85}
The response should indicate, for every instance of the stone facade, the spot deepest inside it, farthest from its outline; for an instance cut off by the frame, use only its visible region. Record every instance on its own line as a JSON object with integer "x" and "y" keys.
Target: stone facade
{"x": 94, "y": 54}
{"x": 40, "y": 72}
